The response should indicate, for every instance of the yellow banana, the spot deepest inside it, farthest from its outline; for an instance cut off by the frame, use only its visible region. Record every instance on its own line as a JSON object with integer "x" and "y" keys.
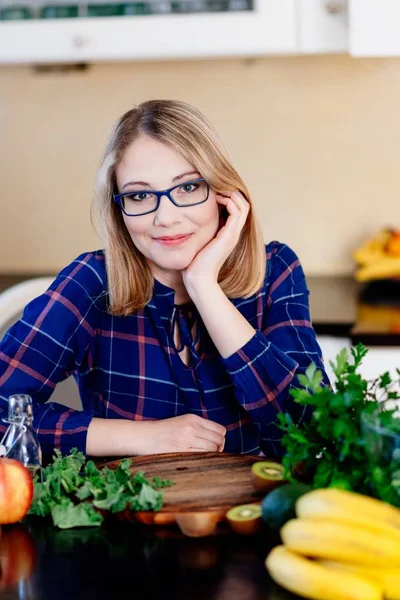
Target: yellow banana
{"x": 385, "y": 268}
{"x": 340, "y": 541}
{"x": 387, "y": 579}
{"x": 356, "y": 509}
{"x": 307, "y": 578}
{"x": 374, "y": 248}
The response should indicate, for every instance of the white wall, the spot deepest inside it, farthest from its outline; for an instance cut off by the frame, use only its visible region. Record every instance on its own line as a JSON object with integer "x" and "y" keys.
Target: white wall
{"x": 316, "y": 138}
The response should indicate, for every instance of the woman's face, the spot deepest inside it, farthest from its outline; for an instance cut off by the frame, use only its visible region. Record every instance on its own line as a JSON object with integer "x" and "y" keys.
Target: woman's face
{"x": 148, "y": 164}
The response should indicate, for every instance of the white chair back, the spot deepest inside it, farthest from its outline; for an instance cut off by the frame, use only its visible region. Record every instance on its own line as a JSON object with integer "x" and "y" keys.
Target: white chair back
{"x": 14, "y": 299}
{"x": 12, "y": 303}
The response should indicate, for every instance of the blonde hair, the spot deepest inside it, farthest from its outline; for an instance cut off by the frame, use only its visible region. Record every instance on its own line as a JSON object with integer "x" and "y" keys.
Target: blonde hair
{"x": 184, "y": 128}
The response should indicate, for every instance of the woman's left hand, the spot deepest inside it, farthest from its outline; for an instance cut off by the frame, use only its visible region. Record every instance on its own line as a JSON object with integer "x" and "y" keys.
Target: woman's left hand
{"x": 208, "y": 262}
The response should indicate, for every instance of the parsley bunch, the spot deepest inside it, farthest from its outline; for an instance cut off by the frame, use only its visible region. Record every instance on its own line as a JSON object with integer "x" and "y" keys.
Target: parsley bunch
{"x": 330, "y": 447}
{"x": 75, "y": 493}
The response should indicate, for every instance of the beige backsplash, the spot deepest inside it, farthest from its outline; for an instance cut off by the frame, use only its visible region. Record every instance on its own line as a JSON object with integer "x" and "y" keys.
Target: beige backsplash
{"x": 316, "y": 138}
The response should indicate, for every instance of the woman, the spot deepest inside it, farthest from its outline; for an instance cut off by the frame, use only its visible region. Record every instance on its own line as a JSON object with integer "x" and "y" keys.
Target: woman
{"x": 185, "y": 333}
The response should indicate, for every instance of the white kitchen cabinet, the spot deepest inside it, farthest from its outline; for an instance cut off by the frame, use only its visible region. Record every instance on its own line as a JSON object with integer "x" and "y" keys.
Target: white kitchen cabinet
{"x": 374, "y": 27}
{"x": 378, "y": 360}
{"x": 360, "y": 27}
{"x": 322, "y": 26}
{"x": 331, "y": 346}
{"x": 268, "y": 29}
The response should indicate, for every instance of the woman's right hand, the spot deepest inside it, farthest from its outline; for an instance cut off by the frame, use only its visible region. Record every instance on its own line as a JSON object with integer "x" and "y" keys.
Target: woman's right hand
{"x": 186, "y": 433}
{"x": 123, "y": 437}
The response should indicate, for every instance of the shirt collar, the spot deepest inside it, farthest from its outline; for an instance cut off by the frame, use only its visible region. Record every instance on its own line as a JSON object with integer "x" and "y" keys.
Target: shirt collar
{"x": 164, "y": 298}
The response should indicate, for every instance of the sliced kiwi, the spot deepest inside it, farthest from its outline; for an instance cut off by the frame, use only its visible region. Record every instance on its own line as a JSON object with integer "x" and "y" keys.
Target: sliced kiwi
{"x": 266, "y": 475}
{"x": 245, "y": 518}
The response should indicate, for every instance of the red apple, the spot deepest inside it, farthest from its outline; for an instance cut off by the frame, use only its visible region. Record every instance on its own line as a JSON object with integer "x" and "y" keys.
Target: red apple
{"x": 16, "y": 491}
{"x": 17, "y": 556}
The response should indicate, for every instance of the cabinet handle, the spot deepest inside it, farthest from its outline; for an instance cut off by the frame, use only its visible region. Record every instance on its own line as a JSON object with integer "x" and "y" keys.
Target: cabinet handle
{"x": 78, "y": 41}
{"x": 335, "y": 8}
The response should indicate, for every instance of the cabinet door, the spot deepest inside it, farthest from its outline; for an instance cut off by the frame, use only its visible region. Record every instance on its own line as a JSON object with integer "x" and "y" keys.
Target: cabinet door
{"x": 267, "y": 29}
{"x": 374, "y": 27}
{"x": 323, "y": 26}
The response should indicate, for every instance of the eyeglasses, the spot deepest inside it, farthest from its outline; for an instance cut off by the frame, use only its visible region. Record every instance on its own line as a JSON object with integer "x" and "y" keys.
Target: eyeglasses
{"x": 136, "y": 204}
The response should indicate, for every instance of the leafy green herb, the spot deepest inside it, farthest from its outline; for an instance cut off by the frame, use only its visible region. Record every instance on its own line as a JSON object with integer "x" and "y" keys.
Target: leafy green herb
{"x": 74, "y": 492}
{"x": 331, "y": 446}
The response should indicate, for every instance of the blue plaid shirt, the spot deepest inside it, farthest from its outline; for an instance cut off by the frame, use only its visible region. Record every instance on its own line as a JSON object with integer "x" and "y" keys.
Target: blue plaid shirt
{"x": 129, "y": 367}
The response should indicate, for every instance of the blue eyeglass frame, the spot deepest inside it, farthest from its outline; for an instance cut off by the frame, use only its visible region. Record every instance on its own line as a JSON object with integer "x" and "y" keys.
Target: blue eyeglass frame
{"x": 118, "y": 197}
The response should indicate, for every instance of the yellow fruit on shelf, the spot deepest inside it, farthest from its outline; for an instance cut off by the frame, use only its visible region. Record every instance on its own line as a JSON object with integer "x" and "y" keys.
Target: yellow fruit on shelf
{"x": 356, "y": 509}
{"x": 340, "y": 541}
{"x": 387, "y": 267}
{"x": 379, "y": 257}
{"x": 373, "y": 249}
{"x": 387, "y": 578}
{"x": 393, "y": 245}
{"x": 311, "y": 580}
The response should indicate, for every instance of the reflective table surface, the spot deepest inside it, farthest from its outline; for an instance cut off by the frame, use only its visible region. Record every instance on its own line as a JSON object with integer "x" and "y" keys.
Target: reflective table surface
{"x": 125, "y": 560}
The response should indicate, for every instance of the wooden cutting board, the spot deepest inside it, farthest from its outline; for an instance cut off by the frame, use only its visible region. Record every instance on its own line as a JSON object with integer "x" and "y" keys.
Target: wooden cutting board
{"x": 206, "y": 486}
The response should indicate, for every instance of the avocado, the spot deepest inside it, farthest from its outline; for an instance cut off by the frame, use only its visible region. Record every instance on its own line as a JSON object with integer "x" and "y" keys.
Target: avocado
{"x": 279, "y": 505}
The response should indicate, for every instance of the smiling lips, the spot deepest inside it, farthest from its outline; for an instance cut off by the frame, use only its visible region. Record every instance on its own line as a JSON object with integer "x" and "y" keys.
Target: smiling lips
{"x": 173, "y": 240}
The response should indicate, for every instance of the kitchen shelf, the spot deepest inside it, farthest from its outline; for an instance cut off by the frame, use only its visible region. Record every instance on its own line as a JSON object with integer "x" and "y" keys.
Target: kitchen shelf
{"x": 268, "y": 28}
{"x": 17, "y": 10}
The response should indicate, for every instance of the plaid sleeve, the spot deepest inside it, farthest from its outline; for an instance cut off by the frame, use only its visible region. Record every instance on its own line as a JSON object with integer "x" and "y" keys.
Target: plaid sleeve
{"x": 266, "y": 368}
{"x": 46, "y": 345}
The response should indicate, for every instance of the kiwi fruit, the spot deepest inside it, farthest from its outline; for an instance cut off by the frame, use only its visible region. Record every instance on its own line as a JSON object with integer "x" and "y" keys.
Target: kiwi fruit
{"x": 245, "y": 518}
{"x": 266, "y": 475}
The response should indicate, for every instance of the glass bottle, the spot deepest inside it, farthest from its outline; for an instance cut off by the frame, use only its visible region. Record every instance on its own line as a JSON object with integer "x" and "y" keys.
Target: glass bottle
{"x": 20, "y": 441}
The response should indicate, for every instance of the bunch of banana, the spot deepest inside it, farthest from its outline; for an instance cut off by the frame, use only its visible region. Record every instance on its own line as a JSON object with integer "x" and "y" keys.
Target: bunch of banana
{"x": 341, "y": 546}
{"x": 379, "y": 257}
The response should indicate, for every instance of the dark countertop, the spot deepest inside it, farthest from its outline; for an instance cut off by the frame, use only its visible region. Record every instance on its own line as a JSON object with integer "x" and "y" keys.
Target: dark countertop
{"x": 340, "y": 307}
{"x": 119, "y": 560}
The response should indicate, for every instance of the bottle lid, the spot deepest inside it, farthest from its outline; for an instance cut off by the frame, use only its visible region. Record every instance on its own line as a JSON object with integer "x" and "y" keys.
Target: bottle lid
{"x": 19, "y": 407}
